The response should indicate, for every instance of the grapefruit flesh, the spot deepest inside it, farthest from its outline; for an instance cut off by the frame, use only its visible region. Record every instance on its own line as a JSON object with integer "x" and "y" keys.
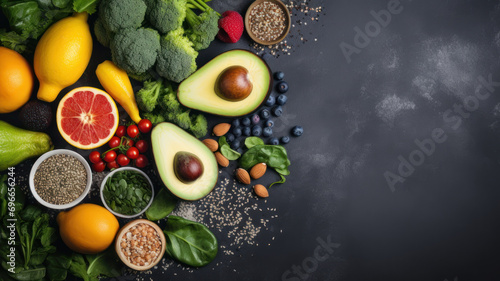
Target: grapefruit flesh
{"x": 87, "y": 117}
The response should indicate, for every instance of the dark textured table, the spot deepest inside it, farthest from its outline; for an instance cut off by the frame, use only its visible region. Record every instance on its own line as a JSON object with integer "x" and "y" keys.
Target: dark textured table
{"x": 396, "y": 176}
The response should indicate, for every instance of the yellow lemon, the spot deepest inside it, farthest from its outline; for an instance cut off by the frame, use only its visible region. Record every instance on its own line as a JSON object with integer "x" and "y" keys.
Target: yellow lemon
{"x": 16, "y": 80}
{"x": 62, "y": 55}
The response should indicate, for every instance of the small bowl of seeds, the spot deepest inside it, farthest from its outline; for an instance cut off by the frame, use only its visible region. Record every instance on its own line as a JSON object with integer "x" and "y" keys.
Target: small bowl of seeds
{"x": 140, "y": 244}
{"x": 127, "y": 192}
{"x": 267, "y": 22}
{"x": 60, "y": 179}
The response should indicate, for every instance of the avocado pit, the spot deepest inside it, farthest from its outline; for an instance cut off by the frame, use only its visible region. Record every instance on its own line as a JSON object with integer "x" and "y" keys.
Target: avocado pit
{"x": 187, "y": 166}
{"x": 234, "y": 83}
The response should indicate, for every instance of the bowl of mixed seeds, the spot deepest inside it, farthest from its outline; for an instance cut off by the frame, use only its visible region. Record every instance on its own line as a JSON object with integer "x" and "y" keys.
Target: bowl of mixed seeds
{"x": 60, "y": 179}
{"x": 267, "y": 22}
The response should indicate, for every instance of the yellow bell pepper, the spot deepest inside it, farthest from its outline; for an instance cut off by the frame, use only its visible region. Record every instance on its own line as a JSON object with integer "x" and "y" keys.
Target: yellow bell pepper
{"x": 116, "y": 82}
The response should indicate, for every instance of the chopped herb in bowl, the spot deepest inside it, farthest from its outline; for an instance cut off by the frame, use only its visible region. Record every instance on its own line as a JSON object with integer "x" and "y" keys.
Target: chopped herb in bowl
{"x": 127, "y": 192}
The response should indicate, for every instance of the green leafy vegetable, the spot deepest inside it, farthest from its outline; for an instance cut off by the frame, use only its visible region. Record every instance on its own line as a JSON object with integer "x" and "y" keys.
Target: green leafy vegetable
{"x": 274, "y": 156}
{"x": 253, "y": 141}
{"x": 226, "y": 150}
{"x": 127, "y": 192}
{"x": 190, "y": 242}
{"x": 91, "y": 267}
{"x": 163, "y": 204}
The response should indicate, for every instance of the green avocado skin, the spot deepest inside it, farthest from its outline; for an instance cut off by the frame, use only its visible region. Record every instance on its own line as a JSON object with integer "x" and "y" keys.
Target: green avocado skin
{"x": 17, "y": 145}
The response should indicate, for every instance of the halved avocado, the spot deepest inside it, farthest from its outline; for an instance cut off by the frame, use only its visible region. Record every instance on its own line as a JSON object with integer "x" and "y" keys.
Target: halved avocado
{"x": 198, "y": 91}
{"x": 167, "y": 140}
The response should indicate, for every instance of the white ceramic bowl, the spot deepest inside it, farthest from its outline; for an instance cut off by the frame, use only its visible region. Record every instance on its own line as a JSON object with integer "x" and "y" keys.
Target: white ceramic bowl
{"x": 103, "y": 184}
{"x": 57, "y": 152}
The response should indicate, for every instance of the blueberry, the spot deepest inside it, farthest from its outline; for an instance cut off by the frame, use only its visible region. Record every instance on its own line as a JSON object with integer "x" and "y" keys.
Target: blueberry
{"x": 246, "y": 121}
{"x": 237, "y": 132}
{"x": 281, "y": 100}
{"x": 267, "y": 132}
{"x": 269, "y": 123}
{"x": 282, "y": 87}
{"x": 285, "y": 139}
{"x": 256, "y": 130}
{"x": 271, "y": 100}
{"x": 277, "y": 111}
{"x": 255, "y": 119}
{"x": 274, "y": 141}
{"x": 229, "y": 137}
{"x": 297, "y": 131}
{"x": 265, "y": 113}
{"x": 247, "y": 131}
{"x": 279, "y": 75}
{"x": 236, "y": 122}
{"x": 235, "y": 144}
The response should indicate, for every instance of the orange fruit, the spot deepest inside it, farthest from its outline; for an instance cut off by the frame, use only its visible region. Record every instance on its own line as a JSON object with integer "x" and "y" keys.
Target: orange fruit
{"x": 16, "y": 80}
{"x": 87, "y": 117}
{"x": 87, "y": 228}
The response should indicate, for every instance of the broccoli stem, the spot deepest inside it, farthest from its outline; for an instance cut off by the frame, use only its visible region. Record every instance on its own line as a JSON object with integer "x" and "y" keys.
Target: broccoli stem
{"x": 201, "y": 5}
{"x": 192, "y": 18}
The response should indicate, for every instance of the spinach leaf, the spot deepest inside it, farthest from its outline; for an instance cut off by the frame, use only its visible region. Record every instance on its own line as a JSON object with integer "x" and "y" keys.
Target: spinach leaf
{"x": 37, "y": 273}
{"x": 163, "y": 204}
{"x": 88, "y": 6}
{"x": 283, "y": 179}
{"x": 226, "y": 150}
{"x": 253, "y": 141}
{"x": 78, "y": 267}
{"x": 103, "y": 264}
{"x": 189, "y": 242}
{"x": 57, "y": 267}
{"x": 30, "y": 213}
{"x": 274, "y": 156}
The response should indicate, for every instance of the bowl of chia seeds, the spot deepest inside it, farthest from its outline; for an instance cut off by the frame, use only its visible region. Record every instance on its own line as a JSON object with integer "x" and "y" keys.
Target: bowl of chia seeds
{"x": 127, "y": 192}
{"x": 60, "y": 179}
{"x": 267, "y": 22}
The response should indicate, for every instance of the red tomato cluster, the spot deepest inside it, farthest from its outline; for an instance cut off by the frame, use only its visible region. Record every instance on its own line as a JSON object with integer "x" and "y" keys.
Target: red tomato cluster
{"x": 123, "y": 148}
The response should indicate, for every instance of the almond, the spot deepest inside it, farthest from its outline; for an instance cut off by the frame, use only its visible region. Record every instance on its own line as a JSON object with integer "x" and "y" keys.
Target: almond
{"x": 211, "y": 144}
{"x": 243, "y": 176}
{"x": 221, "y": 129}
{"x": 261, "y": 191}
{"x": 221, "y": 159}
{"x": 258, "y": 170}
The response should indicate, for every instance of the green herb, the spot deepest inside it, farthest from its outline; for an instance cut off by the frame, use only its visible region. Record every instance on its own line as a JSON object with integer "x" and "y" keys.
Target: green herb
{"x": 127, "y": 192}
{"x": 226, "y": 150}
{"x": 163, "y": 204}
{"x": 189, "y": 242}
{"x": 274, "y": 156}
{"x": 253, "y": 141}
{"x": 90, "y": 267}
{"x": 29, "y": 19}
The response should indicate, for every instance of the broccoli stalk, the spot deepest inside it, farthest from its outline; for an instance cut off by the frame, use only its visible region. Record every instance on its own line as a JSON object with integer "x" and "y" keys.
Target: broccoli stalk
{"x": 147, "y": 97}
{"x": 203, "y": 28}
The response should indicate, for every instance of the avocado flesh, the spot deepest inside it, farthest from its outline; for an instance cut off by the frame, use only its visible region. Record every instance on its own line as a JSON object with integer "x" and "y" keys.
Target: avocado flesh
{"x": 167, "y": 139}
{"x": 198, "y": 90}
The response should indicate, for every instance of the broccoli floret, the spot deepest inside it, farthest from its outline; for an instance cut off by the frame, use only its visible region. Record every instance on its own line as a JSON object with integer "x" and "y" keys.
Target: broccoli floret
{"x": 177, "y": 58}
{"x": 154, "y": 117}
{"x": 170, "y": 104}
{"x": 147, "y": 97}
{"x": 166, "y": 15}
{"x": 135, "y": 50}
{"x": 120, "y": 14}
{"x": 199, "y": 126}
{"x": 183, "y": 120}
{"x": 101, "y": 33}
{"x": 203, "y": 28}
{"x": 141, "y": 76}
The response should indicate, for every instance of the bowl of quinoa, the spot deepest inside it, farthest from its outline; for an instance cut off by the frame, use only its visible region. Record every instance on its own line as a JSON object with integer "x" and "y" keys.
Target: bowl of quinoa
{"x": 140, "y": 244}
{"x": 60, "y": 179}
{"x": 267, "y": 22}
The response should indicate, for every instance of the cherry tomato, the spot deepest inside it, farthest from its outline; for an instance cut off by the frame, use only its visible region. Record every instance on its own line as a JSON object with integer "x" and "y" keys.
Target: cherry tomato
{"x": 95, "y": 157}
{"x": 141, "y": 161}
{"x": 113, "y": 165}
{"x": 121, "y": 131}
{"x": 142, "y": 146}
{"x": 99, "y": 166}
{"x": 129, "y": 143}
{"x": 145, "y": 126}
{"x": 132, "y": 152}
{"x": 122, "y": 160}
{"x": 114, "y": 142}
{"x": 132, "y": 131}
{"x": 110, "y": 156}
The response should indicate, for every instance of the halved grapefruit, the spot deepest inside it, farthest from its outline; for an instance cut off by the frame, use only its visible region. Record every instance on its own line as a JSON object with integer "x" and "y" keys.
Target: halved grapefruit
{"x": 87, "y": 117}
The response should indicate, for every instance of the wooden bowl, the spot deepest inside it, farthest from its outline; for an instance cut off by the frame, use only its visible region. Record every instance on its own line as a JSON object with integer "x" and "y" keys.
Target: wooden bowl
{"x": 287, "y": 22}
{"x": 125, "y": 229}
